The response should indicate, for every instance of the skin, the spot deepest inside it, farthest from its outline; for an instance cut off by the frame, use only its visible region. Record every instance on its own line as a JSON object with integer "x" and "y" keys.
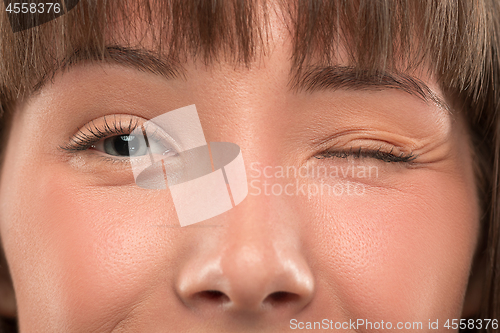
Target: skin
{"x": 89, "y": 251}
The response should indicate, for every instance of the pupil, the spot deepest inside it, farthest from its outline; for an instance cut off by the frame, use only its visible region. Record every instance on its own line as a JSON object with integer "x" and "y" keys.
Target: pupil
{"x": 122, "y": 143}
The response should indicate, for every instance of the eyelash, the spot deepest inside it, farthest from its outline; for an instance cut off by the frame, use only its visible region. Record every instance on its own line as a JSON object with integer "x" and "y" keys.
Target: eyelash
{"x": 83, "y": 141}
{"x": 378, "y": 154}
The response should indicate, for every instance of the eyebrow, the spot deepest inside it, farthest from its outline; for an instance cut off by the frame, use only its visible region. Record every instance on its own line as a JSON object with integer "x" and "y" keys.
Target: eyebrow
{"x": 316, "y": 78}
{"x": 139, "y": 59}
{"x": 350, "y": 78}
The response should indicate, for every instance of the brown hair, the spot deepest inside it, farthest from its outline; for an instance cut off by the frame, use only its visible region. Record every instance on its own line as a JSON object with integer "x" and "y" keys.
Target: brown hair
{"x": 457, "y": 40}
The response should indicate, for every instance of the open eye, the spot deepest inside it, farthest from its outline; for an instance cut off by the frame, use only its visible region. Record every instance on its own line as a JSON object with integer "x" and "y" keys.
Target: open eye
{"x": 130, "y": 145}
{"x": 123, "y": 136}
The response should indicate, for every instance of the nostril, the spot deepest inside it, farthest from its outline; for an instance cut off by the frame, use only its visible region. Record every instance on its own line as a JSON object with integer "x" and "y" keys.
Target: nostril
{"x": 212, "y": 296}
{"x": 281, "y": 298}
{"x": 246, "y": 282}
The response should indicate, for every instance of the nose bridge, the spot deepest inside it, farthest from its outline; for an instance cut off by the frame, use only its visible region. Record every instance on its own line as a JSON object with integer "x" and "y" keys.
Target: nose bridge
{"x": 262, "y": 225}
{"x": 255, "y": 264}
{"x": 253, "y": 245}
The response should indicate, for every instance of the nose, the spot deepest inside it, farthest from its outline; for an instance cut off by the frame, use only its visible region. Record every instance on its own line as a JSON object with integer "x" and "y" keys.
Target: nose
{"x": 251, "y": 268}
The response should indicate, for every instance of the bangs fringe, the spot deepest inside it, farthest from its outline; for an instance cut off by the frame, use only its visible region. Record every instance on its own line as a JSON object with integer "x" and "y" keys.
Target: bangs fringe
{"x": 456, "y": 40}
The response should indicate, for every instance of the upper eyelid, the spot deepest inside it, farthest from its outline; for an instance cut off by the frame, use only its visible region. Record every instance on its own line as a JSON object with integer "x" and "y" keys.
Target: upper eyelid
{"x": 84, "y": 135}
{"x": 90, "y": 126}
{"x": 367, "y": 138}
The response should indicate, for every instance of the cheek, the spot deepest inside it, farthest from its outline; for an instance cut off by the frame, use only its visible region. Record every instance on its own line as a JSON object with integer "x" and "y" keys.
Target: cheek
{"x": 400, "y": 254}
{"x": 87, "y": 252}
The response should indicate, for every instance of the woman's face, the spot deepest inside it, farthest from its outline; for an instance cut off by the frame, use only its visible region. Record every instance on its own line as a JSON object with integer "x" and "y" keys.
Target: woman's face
{"x": 381, "y": 226}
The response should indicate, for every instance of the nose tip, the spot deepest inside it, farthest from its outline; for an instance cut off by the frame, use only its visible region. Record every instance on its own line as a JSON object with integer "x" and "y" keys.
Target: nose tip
{"x": 248, "y": 282}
